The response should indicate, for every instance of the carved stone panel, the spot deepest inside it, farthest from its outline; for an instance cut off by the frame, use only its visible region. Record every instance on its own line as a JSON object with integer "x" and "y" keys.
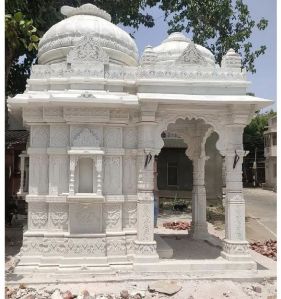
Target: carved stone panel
{"x": 113, "y": 175}
{"x": 113, "y": 137}
{"x": 85, "y": 218}
{"x": 39, "y": 136}
{"x": 37, "y": 216}
{"x": 82, "y": 136}
{"x": 130, "y": 137}
{"x": 112, "y": 217}
{"x": 145, "y": 225}
{"x": 38, "y": 174}
{"x": 129, "y": 175}
{"x": 130, "y": 215}
{"x": 116, "y": 246}
{"x": 58, "y": 216}
{"x": 59, "y": 136}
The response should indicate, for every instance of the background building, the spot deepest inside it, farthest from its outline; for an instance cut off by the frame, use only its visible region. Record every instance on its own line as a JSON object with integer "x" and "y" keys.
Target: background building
{"x": 270, "y": 153}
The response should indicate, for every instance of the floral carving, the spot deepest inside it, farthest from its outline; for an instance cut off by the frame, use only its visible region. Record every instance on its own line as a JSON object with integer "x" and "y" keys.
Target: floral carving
{"x": 145, "y": 249}
{"x": 87, "y": 50}
{"x": 66, "y": 246}
{"x": 191, "y": 55}
{"x": 86, "y": 138}
{"x": 113, "y": 217}
{"x": 39, "y": 219}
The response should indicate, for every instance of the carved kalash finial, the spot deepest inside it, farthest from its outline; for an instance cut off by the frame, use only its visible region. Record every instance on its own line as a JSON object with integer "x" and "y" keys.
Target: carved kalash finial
{"x": 231, "y": 60}
{"x": 149, "y": 56}
{"x": 85, "y": 9}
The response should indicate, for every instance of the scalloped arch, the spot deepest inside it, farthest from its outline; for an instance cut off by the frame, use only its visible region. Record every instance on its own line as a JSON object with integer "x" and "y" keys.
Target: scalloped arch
{"x": 216, "y": 126}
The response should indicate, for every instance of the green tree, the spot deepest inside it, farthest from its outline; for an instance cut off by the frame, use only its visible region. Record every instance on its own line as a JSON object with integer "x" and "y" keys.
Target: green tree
{"x": 217, "y": 25}
{"x": 253, "y": 133}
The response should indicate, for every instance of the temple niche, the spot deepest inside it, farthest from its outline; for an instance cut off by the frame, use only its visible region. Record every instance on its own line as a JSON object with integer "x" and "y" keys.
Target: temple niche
{"x": 96, "y": 112}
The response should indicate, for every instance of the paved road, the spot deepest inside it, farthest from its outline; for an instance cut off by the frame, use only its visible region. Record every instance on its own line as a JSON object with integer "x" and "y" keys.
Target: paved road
{"x": 261, "y": 214}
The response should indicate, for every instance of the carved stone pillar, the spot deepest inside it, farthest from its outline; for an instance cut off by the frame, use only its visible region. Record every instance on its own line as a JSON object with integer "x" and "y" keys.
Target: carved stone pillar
{"x": 235, "y": 246}
{"x": 72, "y": 165}
{"x": 99, "y": 174}
{"x": 199, "y": 228}
{"x": 22, "y": 156}
{"x": 145, "y": 246}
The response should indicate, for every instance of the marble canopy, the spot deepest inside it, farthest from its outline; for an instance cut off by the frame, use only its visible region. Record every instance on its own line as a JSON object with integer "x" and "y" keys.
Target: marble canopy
{"x": 96, "y": 113}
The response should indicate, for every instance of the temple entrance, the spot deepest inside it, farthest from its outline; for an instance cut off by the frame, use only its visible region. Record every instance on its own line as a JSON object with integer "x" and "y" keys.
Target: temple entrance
{"x": 189, "y": 171}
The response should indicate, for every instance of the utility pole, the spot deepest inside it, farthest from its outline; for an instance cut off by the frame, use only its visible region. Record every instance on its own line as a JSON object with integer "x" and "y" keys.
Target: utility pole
{"x": 255, "y": 169}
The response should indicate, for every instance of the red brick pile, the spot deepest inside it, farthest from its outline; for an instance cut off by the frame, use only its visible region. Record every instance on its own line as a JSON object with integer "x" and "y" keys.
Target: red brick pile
{"x": 267, "y": 248}
{"x": 177, "y": 225}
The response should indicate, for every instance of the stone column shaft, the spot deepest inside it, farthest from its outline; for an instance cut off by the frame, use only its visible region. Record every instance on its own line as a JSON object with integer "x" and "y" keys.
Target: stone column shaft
{"x": 199, "y": 223}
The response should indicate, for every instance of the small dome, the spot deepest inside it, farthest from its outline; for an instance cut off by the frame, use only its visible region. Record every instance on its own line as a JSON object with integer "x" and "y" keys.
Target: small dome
{"x": 231, "y": 60}
{"x": 87, "y": 20}
{"x": 173, "y": 47}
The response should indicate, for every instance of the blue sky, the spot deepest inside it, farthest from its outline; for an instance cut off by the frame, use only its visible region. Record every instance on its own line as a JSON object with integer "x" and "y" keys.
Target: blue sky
{"x": 264, "y": 80}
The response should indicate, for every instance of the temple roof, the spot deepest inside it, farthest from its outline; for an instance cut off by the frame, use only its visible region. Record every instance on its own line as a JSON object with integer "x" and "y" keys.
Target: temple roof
{"x": 84, "y": 21}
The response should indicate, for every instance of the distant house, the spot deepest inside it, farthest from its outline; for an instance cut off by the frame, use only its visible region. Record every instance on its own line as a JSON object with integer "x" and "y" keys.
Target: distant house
{"x": 270, "y": 153}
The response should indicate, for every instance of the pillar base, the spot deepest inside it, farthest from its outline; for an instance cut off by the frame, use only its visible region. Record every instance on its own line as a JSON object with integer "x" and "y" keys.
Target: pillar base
{"x": 199, "y": 231}
{"x": 145, "y": 252}
{"x": 236, "y": 251}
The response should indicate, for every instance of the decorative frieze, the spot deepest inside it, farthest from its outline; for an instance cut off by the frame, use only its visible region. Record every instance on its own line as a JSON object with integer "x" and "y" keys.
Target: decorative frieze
{"x": 116, "y": 246}
{"x": 79, "y": 247}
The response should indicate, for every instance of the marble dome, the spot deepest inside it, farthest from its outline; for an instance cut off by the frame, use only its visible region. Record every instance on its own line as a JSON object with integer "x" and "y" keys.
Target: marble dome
{"x": 87, "y": 20}
{"x": 171, "y": 49}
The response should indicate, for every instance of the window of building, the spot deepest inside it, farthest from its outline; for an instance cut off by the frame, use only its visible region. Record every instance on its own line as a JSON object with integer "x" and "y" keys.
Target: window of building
{"x": 274, "y": 138}
{"x": 172, "y": 173}
{"x": 267, "y": 140}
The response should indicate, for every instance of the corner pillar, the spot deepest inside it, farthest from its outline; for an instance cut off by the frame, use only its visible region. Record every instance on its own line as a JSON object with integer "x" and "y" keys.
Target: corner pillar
{"x": 235, "y": 245}
{"x": 145, "y": 246}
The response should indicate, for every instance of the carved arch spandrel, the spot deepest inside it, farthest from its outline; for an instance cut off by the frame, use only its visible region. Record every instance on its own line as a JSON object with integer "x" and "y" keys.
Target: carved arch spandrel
{"x": 217, "y": 124}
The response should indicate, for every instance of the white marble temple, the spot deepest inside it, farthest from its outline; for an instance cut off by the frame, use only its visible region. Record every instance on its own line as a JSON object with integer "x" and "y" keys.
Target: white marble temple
{"x": 96, "y": 113}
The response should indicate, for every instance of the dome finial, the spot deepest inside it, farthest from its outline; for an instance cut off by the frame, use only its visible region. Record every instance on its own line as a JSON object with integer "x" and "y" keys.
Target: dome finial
{"x": 85, "y": 9}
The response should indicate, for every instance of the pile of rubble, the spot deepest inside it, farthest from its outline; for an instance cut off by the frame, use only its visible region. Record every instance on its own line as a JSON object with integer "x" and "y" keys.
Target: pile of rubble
{"x": 267, "y": 248}
{"x": 177, "y": 225}
{"x": 152, "y": 292}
